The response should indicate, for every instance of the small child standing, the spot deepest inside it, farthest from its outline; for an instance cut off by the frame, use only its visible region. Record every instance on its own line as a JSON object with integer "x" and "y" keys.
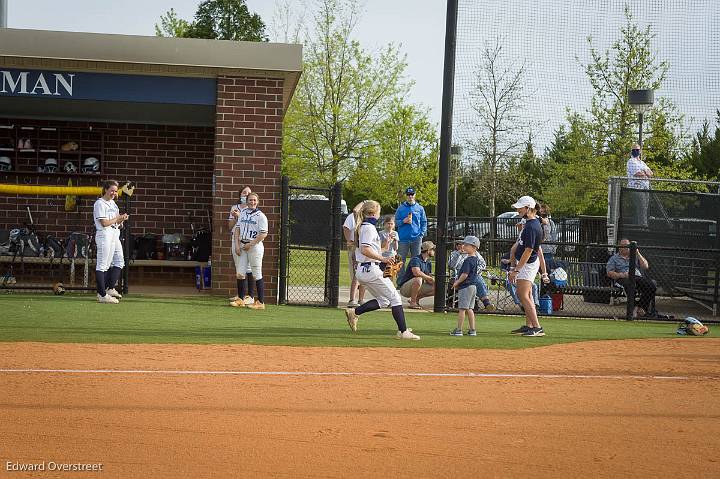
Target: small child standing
{"x": 388, "y": 239}
{"x": 465, "y": 286}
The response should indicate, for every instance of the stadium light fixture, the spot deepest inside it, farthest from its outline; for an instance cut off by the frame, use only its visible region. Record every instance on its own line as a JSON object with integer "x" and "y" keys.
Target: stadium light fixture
{"x": 641, "y": 101}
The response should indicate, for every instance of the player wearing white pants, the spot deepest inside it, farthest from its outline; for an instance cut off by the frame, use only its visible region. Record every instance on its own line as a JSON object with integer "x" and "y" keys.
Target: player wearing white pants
{"x": 233, "y": 227}
{"x": 368, "y": 273}
{"x": 110, "y": 260}
{"x": 252, "y": 229}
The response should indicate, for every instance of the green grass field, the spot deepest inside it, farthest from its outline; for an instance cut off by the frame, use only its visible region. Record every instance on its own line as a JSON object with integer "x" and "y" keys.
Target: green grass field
{"x": 78, "y": 319}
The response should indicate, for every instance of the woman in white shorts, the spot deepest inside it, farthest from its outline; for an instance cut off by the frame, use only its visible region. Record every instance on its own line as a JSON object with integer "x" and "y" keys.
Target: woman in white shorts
{"x": 369, "y": 256}
{"x": 527, "y": 255}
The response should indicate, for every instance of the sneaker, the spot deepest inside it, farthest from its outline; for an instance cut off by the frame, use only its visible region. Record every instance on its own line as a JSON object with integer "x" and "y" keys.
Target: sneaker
{"x": 472, "y": 332}
{"x": 533, "y": 332}
{"x": 112, "y": 292}
{"x": 456, "y": 332}
{"x": 107, "y": 299}
{"x": 352, "y": 319}
{"x": 399, "y": 334}
{"x": 237, "y": 304}
{"x": 234, "y": 298}
{"x": 256, "y": 305}
{"x": 521, "y": 330}
{"x": 353, "y": 304}
{"x": 247, "y": 300}
{"x": 407, "y": 334}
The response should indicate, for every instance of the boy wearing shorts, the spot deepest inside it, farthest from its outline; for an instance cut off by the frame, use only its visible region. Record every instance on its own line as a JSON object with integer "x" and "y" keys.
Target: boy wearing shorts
{"x": 466, "y": 288}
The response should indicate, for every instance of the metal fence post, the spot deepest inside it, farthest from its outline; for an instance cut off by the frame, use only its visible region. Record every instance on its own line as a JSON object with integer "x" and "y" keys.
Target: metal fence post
{"x": 631, "y": 285}
{"x": 336, "y": 245}
{"x": 284, "y": 240}
{"x": 126, "y": 248}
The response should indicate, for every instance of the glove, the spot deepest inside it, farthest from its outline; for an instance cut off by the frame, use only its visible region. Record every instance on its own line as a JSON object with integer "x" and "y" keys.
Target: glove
{"x": 391, "y": 270}
{"x": 692, "y": 327}
{"x": 58, "y": 288}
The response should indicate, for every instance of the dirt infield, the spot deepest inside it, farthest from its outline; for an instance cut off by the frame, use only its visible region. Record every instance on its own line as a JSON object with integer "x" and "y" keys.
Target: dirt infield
{"x": 603, "y": 409}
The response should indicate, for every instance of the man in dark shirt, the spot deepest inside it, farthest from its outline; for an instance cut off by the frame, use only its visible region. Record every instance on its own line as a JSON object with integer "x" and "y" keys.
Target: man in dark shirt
{"x": 417, "y": 281}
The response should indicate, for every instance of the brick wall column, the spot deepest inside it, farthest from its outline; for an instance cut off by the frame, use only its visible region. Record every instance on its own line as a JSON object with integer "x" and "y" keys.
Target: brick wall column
{"x": 248, "y": 142}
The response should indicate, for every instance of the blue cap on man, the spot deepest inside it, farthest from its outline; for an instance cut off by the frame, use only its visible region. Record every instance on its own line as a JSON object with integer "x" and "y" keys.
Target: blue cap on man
{"x": 410, "y": 190}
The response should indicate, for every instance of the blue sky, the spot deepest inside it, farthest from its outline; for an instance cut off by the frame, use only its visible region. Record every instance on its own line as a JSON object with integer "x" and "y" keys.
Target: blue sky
{"x": 549, "y": 35}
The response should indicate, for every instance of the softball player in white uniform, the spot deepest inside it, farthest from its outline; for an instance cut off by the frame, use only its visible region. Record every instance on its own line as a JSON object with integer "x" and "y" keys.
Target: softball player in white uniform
{"x": 110, "y": 260}
{"x": 252, "y": 228}
{"x": 368, "y": 273}
{"x": 233, "y": 223}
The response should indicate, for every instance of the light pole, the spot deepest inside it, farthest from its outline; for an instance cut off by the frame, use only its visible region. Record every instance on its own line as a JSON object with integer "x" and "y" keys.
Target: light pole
{"x": 455, "y": 156}
{"x": 641, "y": 101}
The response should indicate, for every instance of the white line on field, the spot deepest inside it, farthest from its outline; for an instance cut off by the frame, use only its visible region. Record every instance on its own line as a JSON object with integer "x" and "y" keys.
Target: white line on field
{"x": 361, "y": 374}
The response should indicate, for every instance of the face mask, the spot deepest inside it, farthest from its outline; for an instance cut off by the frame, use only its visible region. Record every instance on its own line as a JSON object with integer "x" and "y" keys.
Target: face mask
{"x": 243, "y": 200}
{"x": 635, "y": 153}
{"x": 372, "y": 221}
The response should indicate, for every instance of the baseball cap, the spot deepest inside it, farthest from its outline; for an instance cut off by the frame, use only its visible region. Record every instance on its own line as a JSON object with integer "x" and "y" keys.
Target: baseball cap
{"x": 427, "y": 246}
{"x": 473, "y": 240}
{"x": 525, "y": 201}
{"x": 410, "y": 190}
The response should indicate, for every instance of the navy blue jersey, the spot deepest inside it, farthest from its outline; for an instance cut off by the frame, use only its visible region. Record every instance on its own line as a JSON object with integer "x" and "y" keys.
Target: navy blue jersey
{"x": 530, "y": 237}
{"x": 416, "y": 262}
{"x": 469, "y": 266}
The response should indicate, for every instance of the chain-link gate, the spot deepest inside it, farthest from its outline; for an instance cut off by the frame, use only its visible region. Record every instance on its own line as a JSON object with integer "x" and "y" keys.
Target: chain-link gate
{"x": 310, "y": 245}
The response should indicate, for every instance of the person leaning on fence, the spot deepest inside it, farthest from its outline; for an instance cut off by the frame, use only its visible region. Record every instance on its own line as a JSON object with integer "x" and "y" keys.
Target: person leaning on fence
{"x": 369, "y": 274}
{"x": 417, "y": 281}
{"x": 411, "y": 227}
{"x": 639, "y": 175}
{"x": 349, "y": 232}
{"x": 618, "y": 268}
{"x": 549, "y": 235}
{"x": 465, "y": 287}
{"x": 528, "y": 255}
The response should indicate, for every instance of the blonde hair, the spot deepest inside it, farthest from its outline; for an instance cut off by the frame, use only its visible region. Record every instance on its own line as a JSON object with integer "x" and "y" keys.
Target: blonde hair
{"x": 255, "y": 195}
{"x": 361, "y": 211}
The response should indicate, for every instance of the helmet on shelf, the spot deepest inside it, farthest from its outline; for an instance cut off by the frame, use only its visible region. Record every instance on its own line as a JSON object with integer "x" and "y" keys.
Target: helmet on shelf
{"x": 50, "y": 166}
{"x": 91, "y": 165}
{"x": 5, "y": 163}
{"x": 70, "y": 167}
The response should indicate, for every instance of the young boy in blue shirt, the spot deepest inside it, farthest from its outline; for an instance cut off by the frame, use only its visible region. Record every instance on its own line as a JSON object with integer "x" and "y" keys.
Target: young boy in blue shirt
{"x": 466, "y": 288}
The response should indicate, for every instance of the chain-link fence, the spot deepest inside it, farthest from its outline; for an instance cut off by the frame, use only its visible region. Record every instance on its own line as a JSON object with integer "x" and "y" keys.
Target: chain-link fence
{"x": 310, "y": 245}
{"x": 675, "y": 283}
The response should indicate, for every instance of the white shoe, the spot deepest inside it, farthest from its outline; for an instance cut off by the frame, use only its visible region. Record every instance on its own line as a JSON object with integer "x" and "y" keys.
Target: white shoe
{"x": 353, "y": 304}
{"x": 107, "y": 299}
{"x": 398, "y": 335}
{"x": 352, "y": 318}
{"x": 112, "y": 292}
{"x": 247, "y": 301}
{"x": 234, "y": 298}
{"x": 408, "y": 334}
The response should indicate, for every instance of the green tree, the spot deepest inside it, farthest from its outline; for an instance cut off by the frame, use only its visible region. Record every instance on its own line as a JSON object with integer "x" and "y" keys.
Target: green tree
{"x": 215, "y": 19}
{"x": 344, "y": 94}
{"x": 404, "y": 153}
{"x": 497, "y": 100}
{"x": 704, "y": 152}
{"x": 596, "y": 146}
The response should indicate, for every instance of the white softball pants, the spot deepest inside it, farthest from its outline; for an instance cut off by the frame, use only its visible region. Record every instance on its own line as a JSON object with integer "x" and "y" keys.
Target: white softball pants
{"x": 382, "y": 289}
{"x": 249, "y": 261}
{"x": 109, "y": 249}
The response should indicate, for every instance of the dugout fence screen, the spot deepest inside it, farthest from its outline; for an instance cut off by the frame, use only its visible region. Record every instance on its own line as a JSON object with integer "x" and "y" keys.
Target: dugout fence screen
{"x": 310, "y": 245}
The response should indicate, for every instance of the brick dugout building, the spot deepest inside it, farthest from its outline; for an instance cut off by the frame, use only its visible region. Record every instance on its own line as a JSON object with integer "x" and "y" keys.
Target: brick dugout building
{"x": 189, "y": 121}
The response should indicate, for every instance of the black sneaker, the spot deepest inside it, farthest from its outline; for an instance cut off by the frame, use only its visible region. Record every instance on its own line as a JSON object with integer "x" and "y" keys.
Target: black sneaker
{"x": 472, "y": 332}
{"x": 533, "y": 332}
{"x": 521, "y": 330}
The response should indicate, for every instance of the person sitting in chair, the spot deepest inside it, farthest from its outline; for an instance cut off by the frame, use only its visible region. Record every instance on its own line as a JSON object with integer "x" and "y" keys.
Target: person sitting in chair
{"x": 618, "y": 268}
{"x": 417, "y": 282}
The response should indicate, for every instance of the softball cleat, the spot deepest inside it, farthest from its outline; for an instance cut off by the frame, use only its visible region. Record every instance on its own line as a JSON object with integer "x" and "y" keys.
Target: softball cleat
{"x": 352, "y": 318}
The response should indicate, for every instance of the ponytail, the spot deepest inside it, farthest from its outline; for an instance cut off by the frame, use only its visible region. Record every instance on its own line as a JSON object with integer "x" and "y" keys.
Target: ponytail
{"x": 361, "y": 211}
